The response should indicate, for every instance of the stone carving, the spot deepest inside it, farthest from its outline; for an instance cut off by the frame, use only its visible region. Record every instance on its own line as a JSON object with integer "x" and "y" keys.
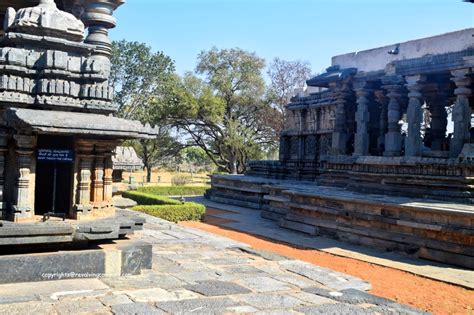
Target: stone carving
{"x": 46, "y": 20}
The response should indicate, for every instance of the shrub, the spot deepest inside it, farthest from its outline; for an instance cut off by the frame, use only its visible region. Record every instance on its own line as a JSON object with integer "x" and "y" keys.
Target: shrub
{"x": 181, "y": 180}
{"x": 143, "y": 198}
{"x": 174, "y": 190}
{"x": 188, "y": 211}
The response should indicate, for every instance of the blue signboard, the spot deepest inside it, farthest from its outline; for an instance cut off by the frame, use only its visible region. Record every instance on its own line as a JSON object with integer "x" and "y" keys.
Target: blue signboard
{"x": 55, "y": 155}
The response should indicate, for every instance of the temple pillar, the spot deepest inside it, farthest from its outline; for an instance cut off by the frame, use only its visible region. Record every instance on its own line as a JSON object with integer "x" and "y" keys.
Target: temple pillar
{"x": 108, "y": 169}
{"x": 393, "y": 138}
{"x": 383, "y": 101}
{"x": 3, "y": 151}
{"x": 85, "y": 158}
{"x": 437, "y": 100}
{"x": 98, "y": 180}
{"x": 339, "y": 136}
{"x": 361, "y": 141}
{"x": 23, "y": 194}
{"x": 83, "y": 205}
{"x": 461, "y": 116}
{"x": 414, "y": 115}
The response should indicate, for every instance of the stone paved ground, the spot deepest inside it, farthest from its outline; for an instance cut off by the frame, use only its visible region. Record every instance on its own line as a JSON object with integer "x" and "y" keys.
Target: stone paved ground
{"x": 201, "y": 273}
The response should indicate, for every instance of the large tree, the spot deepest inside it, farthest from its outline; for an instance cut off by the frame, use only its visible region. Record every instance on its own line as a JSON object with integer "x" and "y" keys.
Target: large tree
{"x": 223, "y": 109}
{"x": 285, "y": 78}
{"x": 144, "y": 83}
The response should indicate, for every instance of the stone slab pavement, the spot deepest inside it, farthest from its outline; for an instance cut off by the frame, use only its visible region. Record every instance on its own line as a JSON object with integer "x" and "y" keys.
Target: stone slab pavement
{"x": 195, "y": 272}
{"x": 249, "y": 220}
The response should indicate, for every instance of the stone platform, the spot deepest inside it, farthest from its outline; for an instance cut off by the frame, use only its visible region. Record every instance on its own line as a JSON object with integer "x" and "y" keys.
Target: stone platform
{"x": 198, "y": 272}
{"x": 55, "y": 232}
{"x": 56, "y": 249}
{"x": 116, "y": 259}
{"x": 425, "y": 228}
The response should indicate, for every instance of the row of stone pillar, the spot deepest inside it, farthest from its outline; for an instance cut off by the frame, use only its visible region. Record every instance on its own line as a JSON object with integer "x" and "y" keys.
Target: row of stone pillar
{"x": 94, "y": 189}
{"x": 389, "y": 124}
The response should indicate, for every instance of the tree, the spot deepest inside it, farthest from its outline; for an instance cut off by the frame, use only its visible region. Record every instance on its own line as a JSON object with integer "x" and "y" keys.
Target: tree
{"x": 285, "y": 77}
{"x": 144, "y": 82}
{"x": 223, "y": 112}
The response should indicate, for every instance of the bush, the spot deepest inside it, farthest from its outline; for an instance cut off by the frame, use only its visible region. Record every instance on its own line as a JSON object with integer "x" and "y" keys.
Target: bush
{"x": 174, "y": 190}
{"x": 181, "y": 180}
{"x": 143, "y": 198}
{"x": 188, "y": 211}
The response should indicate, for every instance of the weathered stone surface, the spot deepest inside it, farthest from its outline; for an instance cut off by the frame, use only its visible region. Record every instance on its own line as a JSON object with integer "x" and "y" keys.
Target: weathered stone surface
{"x": 81, "y": 306}
{"x": 33, "y": 308}
{"x": 115, "y": 299}
{"x": 216, "y": 288}
{"x": 271, "y": 301}
{"x": 18, "y": 298}
{"x": 159, "y": 291}
{"x": 199, "y": 306}
{"x": 263, "y": 284}
{"x": 135, "y": 308}
{"x": 326, "y": 277}
{"x": 160, "y": 295}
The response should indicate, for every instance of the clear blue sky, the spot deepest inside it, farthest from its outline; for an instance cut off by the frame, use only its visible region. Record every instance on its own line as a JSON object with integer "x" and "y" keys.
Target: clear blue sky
{"x": 310, "y": 30}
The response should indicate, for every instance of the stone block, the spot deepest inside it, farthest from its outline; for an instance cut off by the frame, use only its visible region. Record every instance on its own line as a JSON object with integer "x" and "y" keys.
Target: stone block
{"x": 217, "y": 288}
{"x": 136, "y": 308}
{"x": 200, "y": 306}
{"x": 264, "y": 284}
{"x": 270, "y": 301}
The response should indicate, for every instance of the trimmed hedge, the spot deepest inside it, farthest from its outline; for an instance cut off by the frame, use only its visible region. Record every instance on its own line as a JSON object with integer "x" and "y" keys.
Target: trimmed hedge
{"x": 188, "y": 211}
{"x": 174, "y": 190}
{"x": 143, "y": 198}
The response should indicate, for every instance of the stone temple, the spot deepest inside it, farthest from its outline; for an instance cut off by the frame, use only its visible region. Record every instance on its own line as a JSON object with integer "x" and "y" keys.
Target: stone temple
{"x": 381, "y": 156}
{"x": 57, "y": 129}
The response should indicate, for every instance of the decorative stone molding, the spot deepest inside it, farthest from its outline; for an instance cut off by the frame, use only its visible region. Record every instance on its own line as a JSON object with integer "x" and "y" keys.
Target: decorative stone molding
{"x": 414, "y": 115}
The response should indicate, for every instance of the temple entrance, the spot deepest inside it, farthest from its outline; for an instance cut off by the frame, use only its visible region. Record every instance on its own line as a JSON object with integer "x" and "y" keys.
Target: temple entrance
{"x": 54, "y": 174}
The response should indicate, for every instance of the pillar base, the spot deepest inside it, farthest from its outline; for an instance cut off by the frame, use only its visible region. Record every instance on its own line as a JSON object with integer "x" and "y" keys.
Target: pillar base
{"x": 393, "y": 144}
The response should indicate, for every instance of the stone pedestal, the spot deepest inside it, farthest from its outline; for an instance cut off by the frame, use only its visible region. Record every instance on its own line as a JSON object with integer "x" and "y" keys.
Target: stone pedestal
{"x": 414, "y": 115}
{"x": 461, "y": 116}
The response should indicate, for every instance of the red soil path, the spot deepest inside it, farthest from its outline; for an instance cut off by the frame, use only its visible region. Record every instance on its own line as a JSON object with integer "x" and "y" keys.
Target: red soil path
{"x": 426, "y": 294}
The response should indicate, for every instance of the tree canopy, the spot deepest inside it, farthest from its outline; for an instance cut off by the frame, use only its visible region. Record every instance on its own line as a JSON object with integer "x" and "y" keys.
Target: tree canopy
{"x": 144, "y": 83}
{"x": 224, "y": 107}
{"x": 223, "y": 110}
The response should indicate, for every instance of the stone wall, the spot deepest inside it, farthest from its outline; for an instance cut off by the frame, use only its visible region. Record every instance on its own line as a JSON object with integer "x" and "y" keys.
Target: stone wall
{"x": 377, "y": 58}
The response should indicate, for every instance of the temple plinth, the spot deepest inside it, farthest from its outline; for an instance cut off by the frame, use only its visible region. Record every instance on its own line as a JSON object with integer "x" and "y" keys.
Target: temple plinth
{"x": 392, "y": 146}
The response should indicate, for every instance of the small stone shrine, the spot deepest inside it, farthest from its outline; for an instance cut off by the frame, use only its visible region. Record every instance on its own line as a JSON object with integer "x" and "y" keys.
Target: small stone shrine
{"x": 381, "y": 156}
{"x": 57, "y": 129}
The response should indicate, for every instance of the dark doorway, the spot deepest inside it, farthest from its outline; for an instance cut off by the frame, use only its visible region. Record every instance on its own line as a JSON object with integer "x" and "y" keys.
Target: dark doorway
{"x": 54, "y": 174}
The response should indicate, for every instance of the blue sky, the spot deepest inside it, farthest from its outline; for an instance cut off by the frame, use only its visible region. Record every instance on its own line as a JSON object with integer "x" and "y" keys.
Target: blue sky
{"x": 309, "y": 30}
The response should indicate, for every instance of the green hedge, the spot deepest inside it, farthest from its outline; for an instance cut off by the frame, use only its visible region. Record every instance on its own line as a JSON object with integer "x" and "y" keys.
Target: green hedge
{"x": 143, "y": 198}
{"x": 174, "y": 190}
{"x": 188, "y": 211}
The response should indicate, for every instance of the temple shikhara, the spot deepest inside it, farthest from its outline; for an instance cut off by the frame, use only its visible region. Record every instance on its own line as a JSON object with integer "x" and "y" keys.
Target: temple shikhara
{"x": 382, "y": 155}
{"x": 57, "y": 129}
